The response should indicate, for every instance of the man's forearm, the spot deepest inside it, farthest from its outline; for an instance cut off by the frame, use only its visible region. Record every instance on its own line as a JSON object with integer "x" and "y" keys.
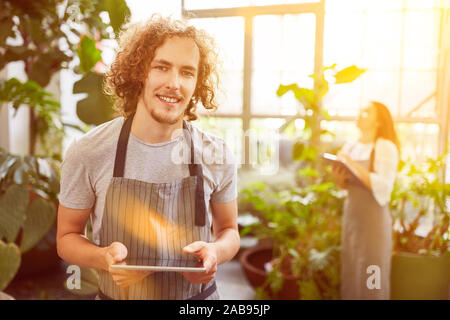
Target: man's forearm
{"x": 227, "y": 244}
{"x": 78, "y": 250}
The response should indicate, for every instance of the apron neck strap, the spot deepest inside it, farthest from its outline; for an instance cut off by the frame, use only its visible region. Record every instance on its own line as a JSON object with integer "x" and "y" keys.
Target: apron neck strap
{"x": 122, "y": 144}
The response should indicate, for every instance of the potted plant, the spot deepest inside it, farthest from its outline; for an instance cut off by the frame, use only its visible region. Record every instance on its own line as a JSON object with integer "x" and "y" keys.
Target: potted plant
{"x": 52, "y": 36}
{"x": 421, "y": 214}
{"x": 303, "y": 222}
{"x": 304, "y": 226}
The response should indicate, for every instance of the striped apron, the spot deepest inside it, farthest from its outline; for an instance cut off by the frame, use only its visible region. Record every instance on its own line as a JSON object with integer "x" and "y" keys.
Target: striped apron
{"x": 366, "y": 241}
{"x": 155, "y": 221}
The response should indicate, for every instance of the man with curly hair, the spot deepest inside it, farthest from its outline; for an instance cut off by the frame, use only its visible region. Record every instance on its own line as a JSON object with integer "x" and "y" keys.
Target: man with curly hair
{"x": 148, "y": 204}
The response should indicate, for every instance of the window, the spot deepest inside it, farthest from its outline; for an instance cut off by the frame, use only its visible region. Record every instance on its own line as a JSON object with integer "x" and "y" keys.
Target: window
{"x": 397, "y": 41}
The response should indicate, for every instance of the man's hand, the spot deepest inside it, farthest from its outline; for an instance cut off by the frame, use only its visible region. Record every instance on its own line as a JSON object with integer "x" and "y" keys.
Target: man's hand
{"x": 207, "y": 254}
{"x": 116, "y": 254}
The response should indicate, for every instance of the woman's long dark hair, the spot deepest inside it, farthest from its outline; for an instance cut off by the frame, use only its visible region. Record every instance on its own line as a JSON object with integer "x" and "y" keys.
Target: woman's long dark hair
{"x": 386, "y": 128}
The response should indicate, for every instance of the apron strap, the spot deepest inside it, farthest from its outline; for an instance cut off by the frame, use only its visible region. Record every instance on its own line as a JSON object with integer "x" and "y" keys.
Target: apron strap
{"x": 195, "y": 169}
{"x": 122, "y": 144}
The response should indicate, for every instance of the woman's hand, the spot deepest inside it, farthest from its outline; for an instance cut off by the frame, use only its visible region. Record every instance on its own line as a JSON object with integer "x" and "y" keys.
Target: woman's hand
{"x": 339, "y": 172}
{"x": 116, "y": 254}
{"x": 340, "y": 175}
{"x": 207, "y": 255}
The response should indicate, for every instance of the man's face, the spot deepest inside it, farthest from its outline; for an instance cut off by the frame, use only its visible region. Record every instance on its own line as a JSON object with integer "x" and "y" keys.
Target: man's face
{"x": 171, "y": 80}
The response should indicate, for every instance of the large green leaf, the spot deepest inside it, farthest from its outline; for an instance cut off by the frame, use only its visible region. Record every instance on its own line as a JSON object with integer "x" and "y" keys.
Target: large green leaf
{"x": 6, "y": 29}
{"x": 118, "y": 12}
{"x": 348, "y": 74}
{"x": 95, "y": 108}
{"x": 39, "y": 218}
{"x": 88, "y": 53}
{"x": 9, "y": 263}
{"x": 13, "y": 205}
{"x": 303, "y": 95}
{"x": 40, "y": 71}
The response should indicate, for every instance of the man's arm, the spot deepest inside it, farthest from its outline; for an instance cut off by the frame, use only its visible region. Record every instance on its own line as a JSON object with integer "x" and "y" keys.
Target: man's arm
{"x": 226, "y": 234}
{"x": 72, "y": 246}
{"x": 225, "y": 246}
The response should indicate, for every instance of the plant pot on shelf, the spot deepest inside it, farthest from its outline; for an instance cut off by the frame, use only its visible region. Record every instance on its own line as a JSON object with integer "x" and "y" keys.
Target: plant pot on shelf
{"x": 253, "y": 261}
{"x": 418, "y": 277}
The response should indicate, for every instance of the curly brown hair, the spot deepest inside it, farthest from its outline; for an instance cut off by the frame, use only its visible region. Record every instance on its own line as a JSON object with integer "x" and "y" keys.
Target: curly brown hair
{"x": 137, "y": 45}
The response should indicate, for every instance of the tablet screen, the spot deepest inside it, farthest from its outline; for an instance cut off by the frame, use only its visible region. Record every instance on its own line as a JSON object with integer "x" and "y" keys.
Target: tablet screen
{"x": 180, "y": 265}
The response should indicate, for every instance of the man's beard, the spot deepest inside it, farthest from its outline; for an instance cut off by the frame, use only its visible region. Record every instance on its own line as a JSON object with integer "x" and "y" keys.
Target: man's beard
{"x": 165, "y": 118}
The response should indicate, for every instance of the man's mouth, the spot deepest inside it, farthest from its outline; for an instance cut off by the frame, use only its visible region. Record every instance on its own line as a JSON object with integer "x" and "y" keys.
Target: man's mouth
{"x": 168, "y": 99}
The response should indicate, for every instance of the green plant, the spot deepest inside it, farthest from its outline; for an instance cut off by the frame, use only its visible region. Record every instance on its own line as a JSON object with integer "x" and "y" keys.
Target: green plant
{"x": 421, "y": 194}
{"x": 28, "y": 195}
{"x": 304, "y": 225}
{"x": 46, "y": 36}
{"x": 304, "y": 222}
{"x": 47, "y": 110}
{"x": 51, "y": 35}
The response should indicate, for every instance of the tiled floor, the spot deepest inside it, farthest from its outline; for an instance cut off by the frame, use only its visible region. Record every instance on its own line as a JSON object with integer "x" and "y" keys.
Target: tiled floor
{"x": 232, "y": 283}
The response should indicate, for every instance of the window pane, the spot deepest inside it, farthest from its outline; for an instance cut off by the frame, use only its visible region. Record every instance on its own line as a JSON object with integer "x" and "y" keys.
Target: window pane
{"x": 283, "y": 53}
{"x": 417, "y": 86}
{"x": 231, "y": 53}
{"x": 343, "y": 38}
{"x": 265, "y": 151}
{"x": 362, "y": 5}
{"x": 382, "y": 86}
{"x": 215, "y": 4}
{"x": 421, "y": 4}
{"x": 276, "y": 2}
{"x": 418, "y": 140}
{"x": 384, "y": 5}
{"x": 344, "y": 99}
{"x": 383, "y": 40}
{"x": 230, "y": 129}
{"x": 343, "y": 131}
{"x": 421, "y": 39}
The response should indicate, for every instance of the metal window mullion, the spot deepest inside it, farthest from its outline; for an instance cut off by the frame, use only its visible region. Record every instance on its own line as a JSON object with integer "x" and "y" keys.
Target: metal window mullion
{"x": 247, "y": 81}
{"x": 442, "y": 80}
{"x": 253, "y": 10}
{"x": 402, "y": 69}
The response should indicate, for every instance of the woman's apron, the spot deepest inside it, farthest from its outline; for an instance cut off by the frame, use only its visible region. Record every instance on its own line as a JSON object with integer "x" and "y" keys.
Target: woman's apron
{"x": 155, "y": 221}
{"x": 366, "y": 241}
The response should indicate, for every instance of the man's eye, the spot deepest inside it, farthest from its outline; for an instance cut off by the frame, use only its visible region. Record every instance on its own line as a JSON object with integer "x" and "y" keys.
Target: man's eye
{"x": 162, "y": 68}
{"x": 188, "y": 74}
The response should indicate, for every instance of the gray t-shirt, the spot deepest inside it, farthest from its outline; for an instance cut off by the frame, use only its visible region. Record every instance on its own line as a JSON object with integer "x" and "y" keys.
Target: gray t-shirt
{"x": 88, "y": 164}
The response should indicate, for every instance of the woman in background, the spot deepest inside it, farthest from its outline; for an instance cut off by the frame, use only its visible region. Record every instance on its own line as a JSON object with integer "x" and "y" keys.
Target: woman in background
{"x": 367, "y": 224}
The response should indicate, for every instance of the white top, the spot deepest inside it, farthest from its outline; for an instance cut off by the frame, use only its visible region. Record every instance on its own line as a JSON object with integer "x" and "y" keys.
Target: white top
{"x": 385, "y": 165}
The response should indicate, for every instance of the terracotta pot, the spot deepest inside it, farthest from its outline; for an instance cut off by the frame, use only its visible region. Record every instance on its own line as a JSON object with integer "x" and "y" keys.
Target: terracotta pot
{"x": 253, "y": 261}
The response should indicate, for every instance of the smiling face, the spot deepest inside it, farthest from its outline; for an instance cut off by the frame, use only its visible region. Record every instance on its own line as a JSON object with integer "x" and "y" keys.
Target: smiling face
{"x": 171, "y": 80}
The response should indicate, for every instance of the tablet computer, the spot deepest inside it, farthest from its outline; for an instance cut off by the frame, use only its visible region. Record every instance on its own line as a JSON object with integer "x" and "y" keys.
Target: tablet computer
{"x": 333, "y": 159}
{"x": 157, "y": 268}
{"x": 181, "y": 265}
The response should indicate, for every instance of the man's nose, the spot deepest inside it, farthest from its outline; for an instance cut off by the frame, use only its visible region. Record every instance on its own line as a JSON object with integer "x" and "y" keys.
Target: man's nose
{"x": 173, "y": 81}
